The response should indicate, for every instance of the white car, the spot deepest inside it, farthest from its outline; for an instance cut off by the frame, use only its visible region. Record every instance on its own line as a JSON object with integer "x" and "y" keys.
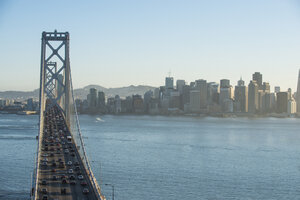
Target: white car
{"x": 69, "y": 163}
{"x": 80, "y": 177}
{"x": 70, "y": 171}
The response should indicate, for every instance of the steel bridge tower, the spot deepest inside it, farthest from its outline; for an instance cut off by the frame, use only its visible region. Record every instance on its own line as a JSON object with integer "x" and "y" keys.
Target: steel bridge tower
{"x": 59, "y": 127}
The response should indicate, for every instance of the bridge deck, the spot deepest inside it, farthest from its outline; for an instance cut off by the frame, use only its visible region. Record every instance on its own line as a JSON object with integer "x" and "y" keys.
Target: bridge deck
{"x": 62, "y": 174}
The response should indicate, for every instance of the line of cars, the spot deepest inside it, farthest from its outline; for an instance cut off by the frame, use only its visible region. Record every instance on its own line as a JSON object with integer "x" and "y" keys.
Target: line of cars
{"x": 58, "y": 157}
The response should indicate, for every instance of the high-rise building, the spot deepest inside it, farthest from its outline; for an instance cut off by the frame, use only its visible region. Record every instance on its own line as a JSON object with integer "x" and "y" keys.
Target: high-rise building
{"x": 93, "y": 98}
{"x": 224, "y": 83}
{"x": 169, "y": 83}
{"x": 282, "y": 102}
{"x": 195, "y": 101}
{"x": 277, "y": 89}
{"x": 101, "y": 102}
{"x": 201, "y": 85}
{"x": 292, "y": 106}
{"x": 179, "y": 85}
{"x": 298, "y": 93}
{"x": 252, "y": 97}
{"x": 258, "y": 78}
{"x": 241, "y": 97}
{"x": 266, "y": 87}
{"x": 290, "y": 94}
{"x": 213, "y": 91}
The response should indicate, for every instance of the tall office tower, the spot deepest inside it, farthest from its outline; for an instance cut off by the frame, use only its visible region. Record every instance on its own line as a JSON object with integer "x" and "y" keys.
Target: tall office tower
{"x": 213, "y": 91}
{"x": 195, "y": 101}
{"x": 266, "y": 87}
{"x": 101, "y": 101}
{"x": 179, "y": 85}
{"x": 292, "y": 106}
{"x": 224, "y": 83}
{"x": 298, "y": 93}
{"x": 241, "y": 97}
{"x": 156, "y": 93}
{"x": 169, "y": 83}
{"x": 282, "y": 102}
{"x": 258, "y": 78}
{"x": 290, "y": 94}
{"x": 93, "y": 98}
{"x": 252, "y": 97}
{"x": 186, "y": 94}
{"x": 201, "y": 85}
{"x": 276, "y": 89}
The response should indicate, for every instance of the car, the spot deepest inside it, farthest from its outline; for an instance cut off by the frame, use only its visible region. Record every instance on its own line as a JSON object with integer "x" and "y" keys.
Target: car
{"x": 64, "y": 181}
{"x": 45, "y": 155}
{"x": 63, "y": 191}
{"x": 85, "y": 191}
{"x": 44, "y": 190}
{"x": 83, "y": 183}
{"x": 45, "y": 160}
{"x": 51, "y": 154}
{"x": 72, "y": 182}
{"x": 54, "y": 178}
{"x": 45, "y": 197}
{"x": 77, "y": 168}
{"x": 67, "y": 151}
{"x": 73, "y": 154}
{"x": 53, "y": 170}
{"x": 69, "y": 163}
{"x": 63, "y": 176}
{"x": 80, "y": 177}
{"x": 70, "y": 171}
{"x": 44, "y": 164}
{"x": 72, "y": 177}
{"x": 44, "y": 182}
{"x": 54, "y": 164}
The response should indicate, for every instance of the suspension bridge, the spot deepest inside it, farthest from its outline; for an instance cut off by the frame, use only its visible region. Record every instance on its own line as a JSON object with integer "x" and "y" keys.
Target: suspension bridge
{"x": 62, "y": 169}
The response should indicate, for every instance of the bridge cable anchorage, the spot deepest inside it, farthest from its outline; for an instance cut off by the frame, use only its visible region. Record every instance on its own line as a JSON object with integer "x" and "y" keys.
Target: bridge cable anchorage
{"x": 60, "y": 140}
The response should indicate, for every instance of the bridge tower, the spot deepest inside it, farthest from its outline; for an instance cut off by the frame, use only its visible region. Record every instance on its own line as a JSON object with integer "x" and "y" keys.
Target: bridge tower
{"x": 56, "y": 96}
{"x": 55, "y": 72}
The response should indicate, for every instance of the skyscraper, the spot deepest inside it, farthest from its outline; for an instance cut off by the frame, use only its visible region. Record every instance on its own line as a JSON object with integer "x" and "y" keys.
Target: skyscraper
{"x": 201, "y": 85}
{"x": 241, "y": 97}
{"x": 298, "y": 93}
{"x": 282, "y": 102}
{"x": 169, "y": 83}
{"x": 93, "y": 98}
{"x": 258, "y": 78}
{"x": 252, "y": 97}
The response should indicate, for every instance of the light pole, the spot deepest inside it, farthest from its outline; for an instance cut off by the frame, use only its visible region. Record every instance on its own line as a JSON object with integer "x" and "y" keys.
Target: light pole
{"x": 113, "y": 190}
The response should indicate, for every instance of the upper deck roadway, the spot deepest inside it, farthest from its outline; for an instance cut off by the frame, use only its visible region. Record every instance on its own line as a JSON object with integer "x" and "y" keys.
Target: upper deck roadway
{"x": 62, "y": 175}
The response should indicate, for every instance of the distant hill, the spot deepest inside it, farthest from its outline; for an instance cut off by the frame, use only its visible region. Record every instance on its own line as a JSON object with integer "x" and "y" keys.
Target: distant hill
{"x": 82, "y": 93}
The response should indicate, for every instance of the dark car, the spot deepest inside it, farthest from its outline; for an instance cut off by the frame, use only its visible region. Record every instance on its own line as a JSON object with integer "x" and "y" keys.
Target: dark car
{"x": 63, "y": 191}
{"x": 85, "y": 191}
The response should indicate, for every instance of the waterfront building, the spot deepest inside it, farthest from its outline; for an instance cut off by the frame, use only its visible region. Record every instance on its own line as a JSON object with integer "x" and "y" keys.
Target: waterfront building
{"x": 92, "y": 99}
{"x": 252, "y": 97}
{"x": 179, "y": 85}
{"x": 147, "y": 97}
{"x": 138, "y": 104}
{"x": 174, "y": 100}
{"x": 194, "y": 105}
{"x": 169, "y": 83}
{"x": 277, "y": 89}
{"x": 241, "y": 97}
{"x": 266, "y": 87}
{"x": 224, "y": 83}
{"x": 282, "y": 102}
{"x": 258, "y": 78}
{"x": 292, "y": 106}
{"x": 298, "y": 93}
{"x": 201, "y": 85}
{"x": 30, "y": 105}
{"x": 101, "y": 102}
{"x": 213, "y": 91}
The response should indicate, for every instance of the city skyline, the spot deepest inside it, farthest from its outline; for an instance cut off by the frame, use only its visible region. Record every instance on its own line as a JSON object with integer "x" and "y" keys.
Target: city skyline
{"x": 118, "y": 44}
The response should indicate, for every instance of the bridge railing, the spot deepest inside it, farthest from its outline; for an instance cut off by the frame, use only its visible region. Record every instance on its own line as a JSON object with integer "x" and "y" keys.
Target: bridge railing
{"x": 78, "y": 139}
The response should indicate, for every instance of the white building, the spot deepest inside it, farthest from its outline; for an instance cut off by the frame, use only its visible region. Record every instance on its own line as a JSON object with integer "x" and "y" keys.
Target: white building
{"x": 292, "y": 106}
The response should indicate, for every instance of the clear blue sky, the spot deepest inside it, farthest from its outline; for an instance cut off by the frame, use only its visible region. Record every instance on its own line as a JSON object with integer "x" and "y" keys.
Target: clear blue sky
{"x": 121, "y": 43}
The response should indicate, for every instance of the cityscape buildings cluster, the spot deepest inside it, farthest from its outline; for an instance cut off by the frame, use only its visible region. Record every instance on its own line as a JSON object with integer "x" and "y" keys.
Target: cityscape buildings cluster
{"x": 199, "y": 97}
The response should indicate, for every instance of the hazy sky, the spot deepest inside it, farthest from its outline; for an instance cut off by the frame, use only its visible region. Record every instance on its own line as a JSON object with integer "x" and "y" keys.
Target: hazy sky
{"x": 121, "y": 43}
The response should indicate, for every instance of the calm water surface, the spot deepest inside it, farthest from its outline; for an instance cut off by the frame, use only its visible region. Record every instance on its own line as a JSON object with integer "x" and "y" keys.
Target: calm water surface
{"x": 148, "y": 157}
